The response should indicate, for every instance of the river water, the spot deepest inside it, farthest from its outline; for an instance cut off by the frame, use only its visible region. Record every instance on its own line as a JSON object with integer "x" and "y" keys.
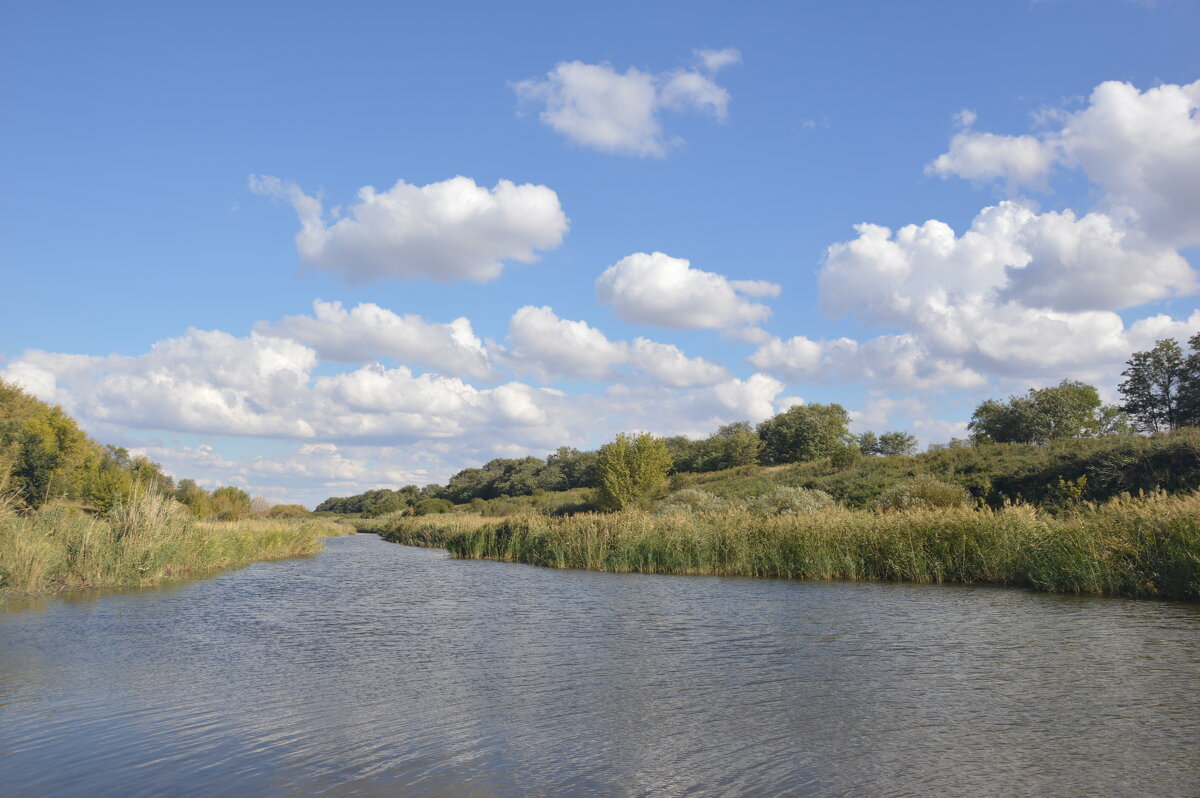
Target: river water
{"x": 376, "y": 669}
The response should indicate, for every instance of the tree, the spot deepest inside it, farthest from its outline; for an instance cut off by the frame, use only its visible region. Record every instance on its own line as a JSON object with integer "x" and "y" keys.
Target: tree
{"x": 1071, "y": 409}
{"x": 631, "y": 469}
{"x": 230, "y": 503}
{"x": 868, "y": 443}
{"x": 737, "y": 444}
{"x": 897, "y": 443}
{"x": 1161, "y": 386}
{"x": 804, "y": 432}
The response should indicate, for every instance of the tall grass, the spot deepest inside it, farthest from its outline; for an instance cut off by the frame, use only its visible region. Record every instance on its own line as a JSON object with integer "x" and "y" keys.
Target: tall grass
{"x": 147, "y": 540}
{"x": 1144, "y": 547}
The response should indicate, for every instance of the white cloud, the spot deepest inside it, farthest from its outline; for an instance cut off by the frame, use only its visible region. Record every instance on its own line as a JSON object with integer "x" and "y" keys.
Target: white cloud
{"x": 715, "y": 60}
{"x": 596, "y": 106}
{"x": 368, "y": 332}
{"x": 981, "y": 156}
{"x": 877, "y": 414}
{"x": 669, "y": 365}
{"x": 898, "y": 361}
{"x": 447, "y": 231}
{"x": 550, "y": 346}
{"x": 1020, "y": 293}
{"x": 752, "y": 399}
{"x": 665, "y": 291}
{"x": 1141, "y": 148}
{"x": 1051, "y": 260}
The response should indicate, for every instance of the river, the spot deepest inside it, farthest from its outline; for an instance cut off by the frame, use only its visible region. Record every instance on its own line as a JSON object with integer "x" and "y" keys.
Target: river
{"x": 377, "y": 669}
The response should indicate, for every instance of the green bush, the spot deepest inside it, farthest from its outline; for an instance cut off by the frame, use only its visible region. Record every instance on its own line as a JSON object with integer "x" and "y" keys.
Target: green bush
{"x": 791, "y": 501}
{"x": 922, "y": 492}
{"x": 692, "y": 500}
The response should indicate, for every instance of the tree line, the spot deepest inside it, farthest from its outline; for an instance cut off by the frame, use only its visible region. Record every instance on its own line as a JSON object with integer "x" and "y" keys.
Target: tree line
{"x": 1160, "y": 391}
{"x": 44, "y": 455}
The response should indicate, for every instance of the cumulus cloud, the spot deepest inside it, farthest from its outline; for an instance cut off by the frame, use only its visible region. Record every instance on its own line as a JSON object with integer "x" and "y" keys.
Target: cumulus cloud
{"x": 1052, "y": 260}
{"x": 1141, "y": 148}
{"x": 551, "y": 347}
{"x": 447, "y": 231}
{"x": 596, "y": 106}
{"x": 661, "y": 290}
{"x": 368, "y": 332}
{"x": 899, "y": 361}
{"x": 1020, "y": 293}
{"x": 669, "y": 365}
{"x": 984, "y": 156}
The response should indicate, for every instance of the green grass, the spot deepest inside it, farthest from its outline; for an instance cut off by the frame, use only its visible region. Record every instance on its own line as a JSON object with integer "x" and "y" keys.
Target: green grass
{"x": 1146, "y": 547}
{"x": 151, "y": 540}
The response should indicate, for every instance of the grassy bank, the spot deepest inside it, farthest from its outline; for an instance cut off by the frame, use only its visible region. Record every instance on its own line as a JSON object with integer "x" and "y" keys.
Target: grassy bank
{"x": 149, "y": 540}
{"x": 1148, "y": 547}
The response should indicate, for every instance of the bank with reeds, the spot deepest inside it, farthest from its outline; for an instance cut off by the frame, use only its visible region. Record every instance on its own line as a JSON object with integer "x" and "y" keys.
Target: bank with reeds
{"x": 1146, "y": 547}
{"x": 145, "y": 541}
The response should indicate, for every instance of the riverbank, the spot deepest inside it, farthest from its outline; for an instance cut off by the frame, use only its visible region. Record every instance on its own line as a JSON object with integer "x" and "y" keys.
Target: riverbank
{"x": 1146, "y": 547}
{"x": 149, "y": 541}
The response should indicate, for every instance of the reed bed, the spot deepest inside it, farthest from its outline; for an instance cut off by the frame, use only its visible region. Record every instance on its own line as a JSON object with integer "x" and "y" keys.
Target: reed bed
{"x": 1139, "y": 547}
{"x": 149, "y": 540}
{"x": 433, "y": 531}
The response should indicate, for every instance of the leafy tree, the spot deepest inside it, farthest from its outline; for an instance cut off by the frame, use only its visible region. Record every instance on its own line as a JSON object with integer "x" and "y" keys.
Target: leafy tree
{"x": 230, "y": 503}
{"x": 630, "y": 469}
{"x": 288, "y": 511}
{"x": 868, "y": 443}
{"x": 804, "y": 432}
{"x": 1070, "y": 409}
{"x": 736, "y": 444}
{"x": 431, "y": 506}
{"x": 1160, "y": 387}
{"x": 897, "y": 443}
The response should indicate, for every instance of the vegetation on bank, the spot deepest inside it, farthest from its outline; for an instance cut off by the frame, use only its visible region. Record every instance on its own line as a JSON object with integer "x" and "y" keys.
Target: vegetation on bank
{"x": 76, "y": 514}
{"x": 149, "y": 539}
{"x": 1146, "y": 547}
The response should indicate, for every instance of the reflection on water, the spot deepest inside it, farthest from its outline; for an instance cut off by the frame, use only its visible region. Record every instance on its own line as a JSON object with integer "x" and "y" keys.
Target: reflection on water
{"x": 375, "y": 669}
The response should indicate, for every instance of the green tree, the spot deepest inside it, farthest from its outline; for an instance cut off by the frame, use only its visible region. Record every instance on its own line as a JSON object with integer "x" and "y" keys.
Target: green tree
{"x": 868, "y": 443}
{"x": 1160, "y": 387}
{"x": 897, "y": 443}
{"x": 737, "y": 444}
{"x": 1071, "y": 409}
{"x": 631, "y": 469}
{"x": 230, "y": 503}
{"x": 804, "y": 432}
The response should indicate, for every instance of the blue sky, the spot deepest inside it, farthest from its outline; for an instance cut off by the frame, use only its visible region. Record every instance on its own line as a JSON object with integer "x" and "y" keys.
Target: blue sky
{"x": 160, "y": 160}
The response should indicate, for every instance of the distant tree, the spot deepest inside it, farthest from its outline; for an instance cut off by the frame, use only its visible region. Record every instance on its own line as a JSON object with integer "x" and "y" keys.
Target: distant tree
{"x": 630, "y": 469}
{"x": 230, "y": 503}
{"x": 259, "y": 505}
{"x": 288, "y": 511}
{"x": 1160, "y": 387}
{"x": 578, "y": 468}
{"x": 736, "y": 444}
{"x": 432, "y": 506}
{"x": 1070, "y": 409}
{"x": 804, "y": 432}
{"x": 897, "y": 443}
{"x": 868, "y": 443}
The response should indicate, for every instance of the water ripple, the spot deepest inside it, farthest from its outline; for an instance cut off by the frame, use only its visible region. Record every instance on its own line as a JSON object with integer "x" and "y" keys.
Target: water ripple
{"x": 375, "y": 669}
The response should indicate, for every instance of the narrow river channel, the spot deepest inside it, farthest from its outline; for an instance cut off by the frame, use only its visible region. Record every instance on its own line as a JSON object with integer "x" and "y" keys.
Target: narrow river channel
{"x": 376, "y": 669}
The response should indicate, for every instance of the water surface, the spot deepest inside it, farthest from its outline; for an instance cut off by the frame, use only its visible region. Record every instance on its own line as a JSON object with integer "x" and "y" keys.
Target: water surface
{"x": 376, "y": 669}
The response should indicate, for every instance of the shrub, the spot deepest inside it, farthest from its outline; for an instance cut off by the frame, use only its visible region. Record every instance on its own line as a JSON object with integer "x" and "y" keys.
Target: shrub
{"x": 792, "y": 501}
{"x": 845, "y": 457}
{"x": 692, "y": 500}
{"x": 433, "y": 506}
{"x": 922, "y": 492}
